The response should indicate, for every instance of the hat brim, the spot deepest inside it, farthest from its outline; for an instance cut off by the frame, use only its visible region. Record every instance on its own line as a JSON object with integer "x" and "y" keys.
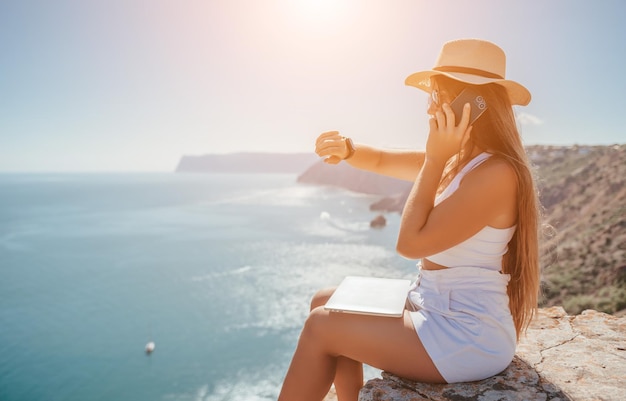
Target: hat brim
{"x": 518, "y": 94}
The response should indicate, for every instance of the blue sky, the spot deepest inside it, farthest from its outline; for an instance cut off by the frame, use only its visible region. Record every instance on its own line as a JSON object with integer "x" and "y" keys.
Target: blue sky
{"x": 129, "y": 85}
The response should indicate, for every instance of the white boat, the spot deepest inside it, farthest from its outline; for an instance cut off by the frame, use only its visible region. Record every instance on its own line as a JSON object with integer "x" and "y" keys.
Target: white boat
{"x": 150, "y": 347}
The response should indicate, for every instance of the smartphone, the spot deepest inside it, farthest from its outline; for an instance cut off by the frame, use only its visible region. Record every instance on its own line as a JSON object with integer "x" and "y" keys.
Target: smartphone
{"x": 476, "y": 101}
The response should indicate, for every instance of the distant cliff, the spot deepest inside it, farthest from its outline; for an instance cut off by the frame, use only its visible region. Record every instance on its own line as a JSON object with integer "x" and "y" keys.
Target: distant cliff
{"x": 247, "y": 163}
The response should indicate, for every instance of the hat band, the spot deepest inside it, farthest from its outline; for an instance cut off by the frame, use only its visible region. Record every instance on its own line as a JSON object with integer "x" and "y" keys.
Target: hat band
{"x": 468, "y": 70}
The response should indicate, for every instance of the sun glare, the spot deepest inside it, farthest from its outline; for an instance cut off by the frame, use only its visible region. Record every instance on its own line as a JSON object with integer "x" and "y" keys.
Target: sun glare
{"x": 320, "y": 12}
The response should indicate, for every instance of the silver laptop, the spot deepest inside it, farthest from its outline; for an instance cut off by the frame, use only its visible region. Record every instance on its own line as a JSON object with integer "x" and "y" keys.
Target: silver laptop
{"x": 370, "y": 296}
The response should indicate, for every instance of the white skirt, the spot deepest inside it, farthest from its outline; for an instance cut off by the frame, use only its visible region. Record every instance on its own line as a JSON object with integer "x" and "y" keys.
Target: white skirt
{"x": 462, "y": 317}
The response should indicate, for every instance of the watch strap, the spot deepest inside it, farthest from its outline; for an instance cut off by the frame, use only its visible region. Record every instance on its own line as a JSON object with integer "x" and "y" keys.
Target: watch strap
{"x": 350, "y": 146}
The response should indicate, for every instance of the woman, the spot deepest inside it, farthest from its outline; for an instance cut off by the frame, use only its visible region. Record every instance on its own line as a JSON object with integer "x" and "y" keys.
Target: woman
{"x": 472, "y": 219}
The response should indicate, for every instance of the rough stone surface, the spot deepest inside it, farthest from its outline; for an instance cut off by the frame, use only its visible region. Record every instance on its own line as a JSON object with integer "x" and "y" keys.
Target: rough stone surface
{"x": 562, "y": 357}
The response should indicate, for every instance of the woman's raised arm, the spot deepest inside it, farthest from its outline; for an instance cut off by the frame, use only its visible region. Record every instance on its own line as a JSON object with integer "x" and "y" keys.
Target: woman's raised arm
{"x": 397, "y": 163}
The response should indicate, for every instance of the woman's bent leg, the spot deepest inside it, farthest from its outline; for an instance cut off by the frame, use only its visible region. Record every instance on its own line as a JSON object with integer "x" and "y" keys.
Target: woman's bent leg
{"x": 348, "y": 372}
{"x": 348, "y": 378}
{"x": 389, "y": 344}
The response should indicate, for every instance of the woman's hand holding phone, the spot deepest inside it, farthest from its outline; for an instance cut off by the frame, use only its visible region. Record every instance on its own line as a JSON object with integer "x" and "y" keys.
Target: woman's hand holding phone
{"x": 446, "y": 138}
{"x": 476, "y": 101}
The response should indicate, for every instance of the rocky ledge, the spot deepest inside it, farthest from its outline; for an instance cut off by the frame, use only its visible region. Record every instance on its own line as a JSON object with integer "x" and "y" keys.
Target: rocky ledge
{"x": 562, "y": 357}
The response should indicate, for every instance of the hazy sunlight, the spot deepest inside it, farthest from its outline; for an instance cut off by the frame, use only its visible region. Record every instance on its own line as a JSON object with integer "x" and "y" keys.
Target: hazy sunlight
{"x": 316, "y": 16}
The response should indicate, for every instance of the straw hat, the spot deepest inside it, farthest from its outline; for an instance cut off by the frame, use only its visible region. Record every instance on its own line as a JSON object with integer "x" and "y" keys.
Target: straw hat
{"x": 472, "y": 61}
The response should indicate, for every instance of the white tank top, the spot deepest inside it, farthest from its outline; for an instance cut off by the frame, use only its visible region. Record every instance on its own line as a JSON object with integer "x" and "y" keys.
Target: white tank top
{"x": 485, "y": 248}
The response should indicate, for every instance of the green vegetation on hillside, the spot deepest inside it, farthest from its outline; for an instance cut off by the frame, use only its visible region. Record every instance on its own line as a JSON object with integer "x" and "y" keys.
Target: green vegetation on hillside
{"x": 583, "y": 193}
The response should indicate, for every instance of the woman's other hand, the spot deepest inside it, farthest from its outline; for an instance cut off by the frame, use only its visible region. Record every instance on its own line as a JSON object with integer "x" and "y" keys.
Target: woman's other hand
{"x": 332, "y": 147}
{"x": 446, "y": 138}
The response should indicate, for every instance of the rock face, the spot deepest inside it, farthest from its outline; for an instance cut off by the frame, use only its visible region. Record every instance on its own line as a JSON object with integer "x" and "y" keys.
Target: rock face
{"x": 378, "y": 221}
{"x": 583, "y": 191}
{"x": 562, "y": 357}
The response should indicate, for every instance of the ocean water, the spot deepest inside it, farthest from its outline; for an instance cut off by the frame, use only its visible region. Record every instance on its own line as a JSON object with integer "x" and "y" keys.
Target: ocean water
{"x": 216, "y": 269}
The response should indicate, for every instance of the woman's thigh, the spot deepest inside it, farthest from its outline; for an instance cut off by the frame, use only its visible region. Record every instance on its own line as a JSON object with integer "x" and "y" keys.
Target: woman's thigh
{"x": 386, "y": 343}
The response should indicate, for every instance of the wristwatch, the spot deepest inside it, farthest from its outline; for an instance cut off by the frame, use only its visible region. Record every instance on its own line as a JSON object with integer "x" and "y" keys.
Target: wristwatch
{"x": 350, "y": 146}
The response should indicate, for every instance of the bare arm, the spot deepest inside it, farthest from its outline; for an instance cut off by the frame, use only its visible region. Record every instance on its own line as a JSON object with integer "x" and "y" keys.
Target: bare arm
{"x": 486, "y": 196}
{"x": 402, "y": 164}
{"x": 444, "y": 139}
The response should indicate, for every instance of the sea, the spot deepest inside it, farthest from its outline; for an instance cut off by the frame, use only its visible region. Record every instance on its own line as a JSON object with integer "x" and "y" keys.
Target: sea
{"x": 216, "y": 269}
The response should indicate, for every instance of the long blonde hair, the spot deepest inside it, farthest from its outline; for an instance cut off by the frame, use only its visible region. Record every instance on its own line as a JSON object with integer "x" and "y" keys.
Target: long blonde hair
{"x": 496, "y": 132}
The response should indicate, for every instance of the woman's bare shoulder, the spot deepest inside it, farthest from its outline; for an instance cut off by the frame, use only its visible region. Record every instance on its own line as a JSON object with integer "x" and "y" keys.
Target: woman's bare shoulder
{"x": 492, "y": 171}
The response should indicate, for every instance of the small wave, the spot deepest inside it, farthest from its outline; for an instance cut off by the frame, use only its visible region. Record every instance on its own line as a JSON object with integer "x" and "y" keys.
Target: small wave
{"x": 351, "y": 226}
{"x": 343, "y": 225}
{"x": 290, "y": 196}
{"x": 245, "y": 390}
{"x": 10, "y": 245}
{"x": 15, "y": 242}
{"x": 248, "y": 387}
{"x": 202, "y": 392}
{"x": 222, "y": 273}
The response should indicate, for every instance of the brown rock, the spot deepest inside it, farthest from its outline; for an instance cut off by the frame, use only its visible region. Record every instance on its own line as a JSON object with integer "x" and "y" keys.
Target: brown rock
{"x": 562, "y": 357}
{"x": 378, "y": 221}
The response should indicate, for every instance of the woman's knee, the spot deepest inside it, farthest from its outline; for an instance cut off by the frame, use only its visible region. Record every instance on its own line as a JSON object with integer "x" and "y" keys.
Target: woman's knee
{"x": 320, "y": 297}
{"x": 315, "y": 327}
